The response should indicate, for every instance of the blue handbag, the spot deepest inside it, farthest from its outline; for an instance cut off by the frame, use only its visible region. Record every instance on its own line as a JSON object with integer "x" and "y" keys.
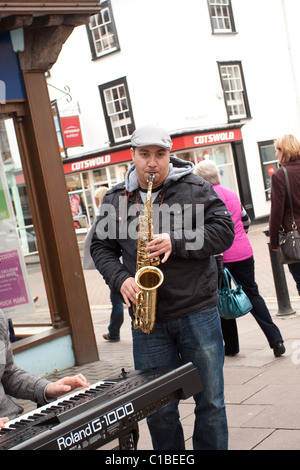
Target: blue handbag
{"x": 233, "y": 302}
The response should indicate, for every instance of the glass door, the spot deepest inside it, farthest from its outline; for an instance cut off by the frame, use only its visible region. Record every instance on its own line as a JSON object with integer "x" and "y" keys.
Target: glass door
{"x": 22, "y": 290}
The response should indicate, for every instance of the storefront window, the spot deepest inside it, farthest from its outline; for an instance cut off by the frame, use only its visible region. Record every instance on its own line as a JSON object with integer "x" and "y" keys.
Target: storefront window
{"x": 22, "y": 288}
{"x": 221, "y": 155}
{"x": 100, "y": 176}
{"x": 112, "y": 175}
{"x": 76, "y": 184}
{"x": 73, "y": 182}
{"x": 81, "y": 188}
{"x": 187, "y": 156}
{"x": 106, "y": 176}
{"x": 204, "y": 154}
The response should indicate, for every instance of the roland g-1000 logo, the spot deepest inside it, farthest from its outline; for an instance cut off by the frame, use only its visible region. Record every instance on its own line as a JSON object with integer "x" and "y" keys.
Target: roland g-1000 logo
{"x": 96, "y": 426}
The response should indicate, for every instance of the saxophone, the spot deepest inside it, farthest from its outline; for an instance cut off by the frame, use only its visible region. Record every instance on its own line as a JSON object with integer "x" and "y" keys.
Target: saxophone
{"x": 148, "y": 277}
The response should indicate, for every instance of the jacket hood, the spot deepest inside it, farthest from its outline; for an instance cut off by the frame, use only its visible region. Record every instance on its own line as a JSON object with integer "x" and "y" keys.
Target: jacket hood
{"x": 177, "y": 169}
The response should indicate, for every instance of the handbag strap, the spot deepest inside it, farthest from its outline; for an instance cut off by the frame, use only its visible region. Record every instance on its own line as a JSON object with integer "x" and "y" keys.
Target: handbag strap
{"x": 226, "y": 279}
{"x": 294, "y": 226}
{"x": 232, "y": 278}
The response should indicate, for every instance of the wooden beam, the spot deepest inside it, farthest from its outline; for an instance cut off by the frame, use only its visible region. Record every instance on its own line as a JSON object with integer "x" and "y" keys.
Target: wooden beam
{"x": 40, "y": 338}
{"x": 20, "y": 7}
{"x": 12, "y": 108}
{"x": 42, "y": 46}
{"x": 9, "y": 23}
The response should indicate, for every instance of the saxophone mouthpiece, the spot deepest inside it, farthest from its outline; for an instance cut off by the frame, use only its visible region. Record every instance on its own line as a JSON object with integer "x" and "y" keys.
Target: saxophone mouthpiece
{"x": 151, "y": 178}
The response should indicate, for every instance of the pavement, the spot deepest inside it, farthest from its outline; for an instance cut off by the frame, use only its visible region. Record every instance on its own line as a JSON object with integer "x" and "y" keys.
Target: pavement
{"x": 262, "y": 393}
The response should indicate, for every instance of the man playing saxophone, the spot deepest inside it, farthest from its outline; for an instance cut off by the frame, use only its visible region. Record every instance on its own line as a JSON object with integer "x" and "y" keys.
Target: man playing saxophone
{"x": 190, "y": 225}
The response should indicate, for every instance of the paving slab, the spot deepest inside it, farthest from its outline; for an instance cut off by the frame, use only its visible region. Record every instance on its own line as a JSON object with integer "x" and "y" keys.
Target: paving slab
{"x": 262, "y": 393}
{"x": 282, "y": 439}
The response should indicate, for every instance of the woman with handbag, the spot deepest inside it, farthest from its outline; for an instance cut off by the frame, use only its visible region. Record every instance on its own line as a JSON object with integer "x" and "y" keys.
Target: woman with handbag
{"x": 283, "y": 215}
{"x": 240, "y": 262}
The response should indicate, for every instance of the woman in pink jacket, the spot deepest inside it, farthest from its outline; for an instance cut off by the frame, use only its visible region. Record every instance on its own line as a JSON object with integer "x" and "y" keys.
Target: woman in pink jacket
{"x": 240, "y": 262}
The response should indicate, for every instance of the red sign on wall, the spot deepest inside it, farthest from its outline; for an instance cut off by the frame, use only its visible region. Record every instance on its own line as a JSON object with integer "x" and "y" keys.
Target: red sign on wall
{"x": 71, "y": 131}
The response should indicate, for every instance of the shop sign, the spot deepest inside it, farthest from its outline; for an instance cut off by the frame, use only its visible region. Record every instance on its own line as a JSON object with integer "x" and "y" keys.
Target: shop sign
{"x": 97, "y": 161}
{"x": 71, "y": 131}
{"x": 90, "y": 163}
{"x": 179, "y": 143}
{"x": 210, "y": 138}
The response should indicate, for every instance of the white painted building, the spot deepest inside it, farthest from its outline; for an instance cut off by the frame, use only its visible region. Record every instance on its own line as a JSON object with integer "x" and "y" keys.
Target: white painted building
{"x": 222, "y": 76}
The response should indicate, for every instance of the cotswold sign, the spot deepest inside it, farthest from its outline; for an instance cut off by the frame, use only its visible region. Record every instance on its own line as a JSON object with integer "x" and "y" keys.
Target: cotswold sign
{"x": 214, "y": 138}
{"x": 96, "y": 161}
{"x": 90, "y": 163}
{"x": 61, "y": 6}
{"x": 179, "y": 143}
{"x": 209, "y": 138}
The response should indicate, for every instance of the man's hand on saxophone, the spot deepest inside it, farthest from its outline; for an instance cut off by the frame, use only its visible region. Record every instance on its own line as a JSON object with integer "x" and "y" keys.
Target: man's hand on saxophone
{"x": 128, "y": 290}
{"x": 160, "y": 245}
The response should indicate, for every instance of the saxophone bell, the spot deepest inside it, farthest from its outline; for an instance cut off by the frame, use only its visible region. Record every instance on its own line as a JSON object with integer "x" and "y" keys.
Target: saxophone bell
{"x": 148, "y": 279}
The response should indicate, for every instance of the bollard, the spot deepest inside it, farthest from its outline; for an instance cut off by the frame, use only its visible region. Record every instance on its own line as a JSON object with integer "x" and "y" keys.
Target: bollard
{"x": 281, "y": 288}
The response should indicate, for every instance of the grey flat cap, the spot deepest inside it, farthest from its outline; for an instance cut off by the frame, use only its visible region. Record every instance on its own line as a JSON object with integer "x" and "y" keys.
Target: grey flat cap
{"x": 151, "y": 135}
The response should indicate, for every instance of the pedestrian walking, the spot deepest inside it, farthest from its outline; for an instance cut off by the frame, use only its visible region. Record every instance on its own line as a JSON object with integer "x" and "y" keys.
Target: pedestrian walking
{"x": 117, "y": 312}
{"x": 288, "y": 154}
{"x": 240, "y": 262}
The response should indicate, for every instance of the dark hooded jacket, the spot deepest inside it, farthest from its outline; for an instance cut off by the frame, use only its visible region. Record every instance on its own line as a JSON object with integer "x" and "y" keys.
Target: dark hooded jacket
{"x": 199, "y": 224}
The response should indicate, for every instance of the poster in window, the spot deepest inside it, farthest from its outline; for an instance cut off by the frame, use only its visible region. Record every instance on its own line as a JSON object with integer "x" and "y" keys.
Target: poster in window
{"x": 13, "y": 292}
{"x": 14, "y": 287}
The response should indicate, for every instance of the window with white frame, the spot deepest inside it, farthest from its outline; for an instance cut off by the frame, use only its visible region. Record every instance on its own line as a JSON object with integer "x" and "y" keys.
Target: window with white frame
{"x": 221, "y": 16}
{"x": 233, "y": 84}
{"x": 117, "y": 110}
{"x": 102, "y": 31}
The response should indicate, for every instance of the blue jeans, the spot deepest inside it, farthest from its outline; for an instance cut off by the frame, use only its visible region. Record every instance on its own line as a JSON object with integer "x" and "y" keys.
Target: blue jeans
{"x": 196, "y": 338}
{"x": 116, "y": 317}
{"x": 294, "y": 269}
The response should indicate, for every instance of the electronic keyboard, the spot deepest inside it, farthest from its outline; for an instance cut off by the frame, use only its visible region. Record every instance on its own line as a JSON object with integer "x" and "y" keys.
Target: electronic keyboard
{"x": 107, "y": 410}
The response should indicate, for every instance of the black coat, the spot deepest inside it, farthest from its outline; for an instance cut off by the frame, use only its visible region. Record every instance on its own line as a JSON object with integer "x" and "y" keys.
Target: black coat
{"x": 190, "y": 276}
